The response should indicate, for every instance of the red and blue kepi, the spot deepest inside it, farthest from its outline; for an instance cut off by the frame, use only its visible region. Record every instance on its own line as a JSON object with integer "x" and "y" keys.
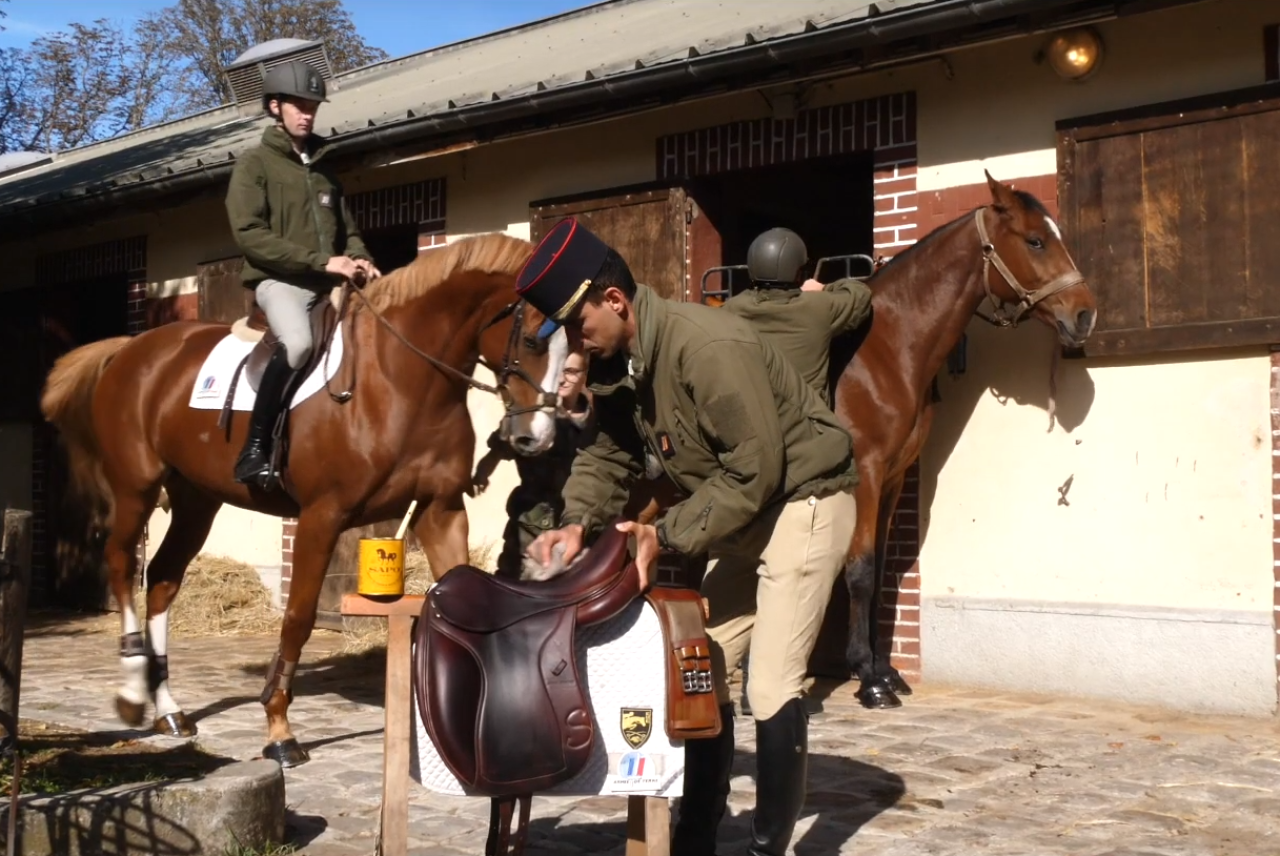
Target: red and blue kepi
{"x": 555, "y": 278}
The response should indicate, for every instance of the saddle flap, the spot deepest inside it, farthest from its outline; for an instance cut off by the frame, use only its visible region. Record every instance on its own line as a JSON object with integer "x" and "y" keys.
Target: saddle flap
{"x": 506, "y": 711}
{"x": 692, "y": 709}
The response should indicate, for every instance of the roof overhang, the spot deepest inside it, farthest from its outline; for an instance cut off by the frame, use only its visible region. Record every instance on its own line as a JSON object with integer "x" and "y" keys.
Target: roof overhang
{"x": 878, "y": 40}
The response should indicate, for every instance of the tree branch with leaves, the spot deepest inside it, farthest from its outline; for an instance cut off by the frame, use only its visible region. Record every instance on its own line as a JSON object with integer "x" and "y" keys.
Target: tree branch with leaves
{"x": 95, "y": 81}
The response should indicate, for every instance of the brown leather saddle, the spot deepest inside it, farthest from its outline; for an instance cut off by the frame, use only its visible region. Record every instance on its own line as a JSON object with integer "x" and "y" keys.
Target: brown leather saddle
{"x": 496, "y": 677}
{"x": 324, "y": 318}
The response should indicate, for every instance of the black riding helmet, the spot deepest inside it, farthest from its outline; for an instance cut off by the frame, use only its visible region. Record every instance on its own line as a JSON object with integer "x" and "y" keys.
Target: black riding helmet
{"x": 775, "y": 258}
{"x": 293, "y": 79}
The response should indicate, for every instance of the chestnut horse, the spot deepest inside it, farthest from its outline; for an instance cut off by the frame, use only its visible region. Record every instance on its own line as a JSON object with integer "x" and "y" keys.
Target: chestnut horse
{"x": 1010, "y": 253}
{"x": 410, "y": 344}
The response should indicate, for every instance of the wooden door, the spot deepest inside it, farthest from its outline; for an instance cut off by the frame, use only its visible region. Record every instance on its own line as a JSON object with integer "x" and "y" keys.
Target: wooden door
{"x": 653, "y": 229}
{"x": 648, "y": 228}
{"x": 223, "y": 297}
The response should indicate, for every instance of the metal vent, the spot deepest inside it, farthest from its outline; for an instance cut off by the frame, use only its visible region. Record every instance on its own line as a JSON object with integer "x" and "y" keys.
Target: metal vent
{"x": 245, "y": 75}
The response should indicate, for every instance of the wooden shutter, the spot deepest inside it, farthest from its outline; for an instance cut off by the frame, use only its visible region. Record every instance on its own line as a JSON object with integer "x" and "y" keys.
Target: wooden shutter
{"x": 223, "y": 297}
{"x": 1171, "y": 213}
{"x": 648, "y": 228}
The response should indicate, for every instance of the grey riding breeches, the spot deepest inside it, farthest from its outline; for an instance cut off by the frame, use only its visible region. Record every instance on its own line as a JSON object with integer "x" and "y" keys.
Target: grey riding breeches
{"x": 286, "y": 308}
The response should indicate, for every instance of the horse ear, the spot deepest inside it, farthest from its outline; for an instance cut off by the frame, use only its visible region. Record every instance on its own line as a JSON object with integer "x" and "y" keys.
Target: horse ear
{"x": 1001, "y": 194}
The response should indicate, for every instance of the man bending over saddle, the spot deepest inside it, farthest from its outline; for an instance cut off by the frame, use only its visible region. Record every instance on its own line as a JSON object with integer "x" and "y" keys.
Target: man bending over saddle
{"x": 693, "y": 393}
{"x": 535, "y": 504}
{"x": 800, "y": 320}
{"x": 298, "y": 238}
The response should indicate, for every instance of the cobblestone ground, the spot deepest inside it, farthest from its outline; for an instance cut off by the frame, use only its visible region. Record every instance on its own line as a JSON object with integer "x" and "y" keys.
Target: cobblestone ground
{"x": 952, "y": 772}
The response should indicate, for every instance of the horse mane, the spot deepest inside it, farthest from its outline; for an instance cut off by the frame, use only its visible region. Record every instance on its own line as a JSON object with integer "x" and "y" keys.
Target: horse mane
{"x": 492, "y": 252}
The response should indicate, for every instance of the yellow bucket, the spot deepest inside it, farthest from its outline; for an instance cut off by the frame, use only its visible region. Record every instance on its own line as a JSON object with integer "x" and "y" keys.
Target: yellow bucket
{"x": 381, "y": 567}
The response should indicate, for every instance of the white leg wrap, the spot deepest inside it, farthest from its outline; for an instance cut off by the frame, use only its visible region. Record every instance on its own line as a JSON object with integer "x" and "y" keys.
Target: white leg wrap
{"x": 158, "y": 636}
{"x": 134, "y": 664}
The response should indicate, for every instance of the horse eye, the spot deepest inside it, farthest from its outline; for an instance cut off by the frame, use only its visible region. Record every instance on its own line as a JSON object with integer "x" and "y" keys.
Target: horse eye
{"x": 534, "y": 344}
{"x": 1035, "y": 243}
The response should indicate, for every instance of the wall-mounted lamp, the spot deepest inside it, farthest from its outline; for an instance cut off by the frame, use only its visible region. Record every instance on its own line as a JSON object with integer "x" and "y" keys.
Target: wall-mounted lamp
{"x": 1075, "y": 54}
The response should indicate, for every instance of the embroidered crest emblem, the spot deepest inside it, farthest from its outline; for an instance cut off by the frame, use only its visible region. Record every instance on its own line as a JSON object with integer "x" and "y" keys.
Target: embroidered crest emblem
{"x": 637, "y": 725}
{"x": 326, "y": 199}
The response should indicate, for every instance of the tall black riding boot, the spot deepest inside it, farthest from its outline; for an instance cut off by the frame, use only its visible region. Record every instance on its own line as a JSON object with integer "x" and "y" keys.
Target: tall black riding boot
{"x": 782, "y": 766}
{"x": 254, "y": 463}
{"x": 708, "y": 764}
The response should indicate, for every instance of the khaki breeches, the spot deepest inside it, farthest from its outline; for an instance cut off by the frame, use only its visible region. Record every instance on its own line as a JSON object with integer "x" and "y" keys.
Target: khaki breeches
{"x": 767, "y": 589}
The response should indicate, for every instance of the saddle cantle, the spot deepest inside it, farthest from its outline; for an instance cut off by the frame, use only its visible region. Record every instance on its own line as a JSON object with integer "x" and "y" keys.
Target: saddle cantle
{"x": 495, "y": 675}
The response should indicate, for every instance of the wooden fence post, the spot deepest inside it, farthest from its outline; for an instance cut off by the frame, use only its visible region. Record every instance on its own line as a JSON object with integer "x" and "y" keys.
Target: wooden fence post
{"x": 15, "y": 580}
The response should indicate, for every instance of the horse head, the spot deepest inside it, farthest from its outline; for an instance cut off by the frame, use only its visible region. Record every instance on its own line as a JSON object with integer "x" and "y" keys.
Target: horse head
{"x": 528, "y": 375}
{"x": 1033, "y": 269}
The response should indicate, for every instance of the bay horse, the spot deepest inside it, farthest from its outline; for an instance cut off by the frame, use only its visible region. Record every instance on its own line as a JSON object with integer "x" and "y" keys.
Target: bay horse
{"x": 410, "y": 344}
{"x": 1010, "y": 253}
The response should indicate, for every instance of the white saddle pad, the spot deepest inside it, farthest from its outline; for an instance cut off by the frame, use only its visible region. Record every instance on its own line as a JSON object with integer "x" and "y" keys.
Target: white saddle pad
{"x": 622, "y": 663}
{"x": 214, "y": 378}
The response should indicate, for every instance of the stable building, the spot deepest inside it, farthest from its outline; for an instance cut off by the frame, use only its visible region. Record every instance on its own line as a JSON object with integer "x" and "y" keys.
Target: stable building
{"x": 1123, "y": 546}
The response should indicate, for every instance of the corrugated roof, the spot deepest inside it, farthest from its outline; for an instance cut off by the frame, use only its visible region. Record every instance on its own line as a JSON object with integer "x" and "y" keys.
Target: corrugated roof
{"x": 598, "y": 41}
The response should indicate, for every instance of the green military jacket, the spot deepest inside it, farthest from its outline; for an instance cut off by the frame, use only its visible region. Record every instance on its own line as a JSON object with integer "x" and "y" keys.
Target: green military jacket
{"x": 801, "y": 324}
{"x": 706, "y": 402}
{"x": 288, "y": 217}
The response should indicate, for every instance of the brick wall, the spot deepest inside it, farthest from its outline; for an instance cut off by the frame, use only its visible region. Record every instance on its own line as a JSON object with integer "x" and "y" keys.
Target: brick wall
{"x": 939, "y": 207}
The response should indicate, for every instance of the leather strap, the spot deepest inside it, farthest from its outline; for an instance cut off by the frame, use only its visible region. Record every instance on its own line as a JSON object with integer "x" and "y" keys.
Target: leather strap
{"x": 1026, "y": 299}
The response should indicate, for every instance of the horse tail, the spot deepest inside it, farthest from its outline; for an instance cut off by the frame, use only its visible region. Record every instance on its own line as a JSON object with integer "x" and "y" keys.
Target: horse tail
{"x": 67, "y": 403}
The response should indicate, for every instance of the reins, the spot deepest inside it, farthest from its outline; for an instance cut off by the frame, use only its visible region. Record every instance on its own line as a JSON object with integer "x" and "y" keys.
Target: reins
{"x": 510, "y": 358}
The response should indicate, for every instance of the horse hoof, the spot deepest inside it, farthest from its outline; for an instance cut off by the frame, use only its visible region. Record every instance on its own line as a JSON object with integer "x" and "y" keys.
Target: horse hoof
{"x": 131, "y": 713}
{"x": 878, "y": 696}
{"x": 287, "y": 753}
{"x": 898, "y": 685}
{"x": 175, "y": 725}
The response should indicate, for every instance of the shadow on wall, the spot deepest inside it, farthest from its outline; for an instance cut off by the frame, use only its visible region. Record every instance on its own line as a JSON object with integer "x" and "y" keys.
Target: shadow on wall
{"x": 1013, "y": 367}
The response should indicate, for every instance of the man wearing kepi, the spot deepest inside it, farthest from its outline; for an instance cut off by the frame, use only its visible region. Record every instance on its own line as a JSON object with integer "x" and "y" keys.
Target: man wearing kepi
{"x": 693, "y": 393}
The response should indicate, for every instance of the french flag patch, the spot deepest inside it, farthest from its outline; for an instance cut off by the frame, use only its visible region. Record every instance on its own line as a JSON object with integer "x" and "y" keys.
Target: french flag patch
{"x": 632, "y": 765}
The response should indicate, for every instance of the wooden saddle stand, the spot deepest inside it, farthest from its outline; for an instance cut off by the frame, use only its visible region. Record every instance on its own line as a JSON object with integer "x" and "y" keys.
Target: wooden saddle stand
{"x": 496, "y": 678}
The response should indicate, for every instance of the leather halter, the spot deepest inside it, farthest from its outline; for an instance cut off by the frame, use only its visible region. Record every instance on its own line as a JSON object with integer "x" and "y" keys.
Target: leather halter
{"x": 547, "y": 402}
{"x": 1026, "y": 299}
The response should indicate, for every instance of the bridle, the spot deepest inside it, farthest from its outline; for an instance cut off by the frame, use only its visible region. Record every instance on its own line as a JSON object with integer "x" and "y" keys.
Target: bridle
{"x": 546, "y": 402}
{"x": 1026, "y": 299}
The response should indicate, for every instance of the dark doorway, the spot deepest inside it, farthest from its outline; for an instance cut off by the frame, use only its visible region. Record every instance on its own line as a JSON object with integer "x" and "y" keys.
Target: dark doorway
{"x": 392, "y": 246}
{"x": 70, "y": 316}
{"x": 829, "y": 202}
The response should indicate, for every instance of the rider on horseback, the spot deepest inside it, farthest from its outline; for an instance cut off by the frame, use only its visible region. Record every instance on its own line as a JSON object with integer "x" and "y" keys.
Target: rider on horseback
{"x": 298, "y": 240}
{"x": 799, "y": 320}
